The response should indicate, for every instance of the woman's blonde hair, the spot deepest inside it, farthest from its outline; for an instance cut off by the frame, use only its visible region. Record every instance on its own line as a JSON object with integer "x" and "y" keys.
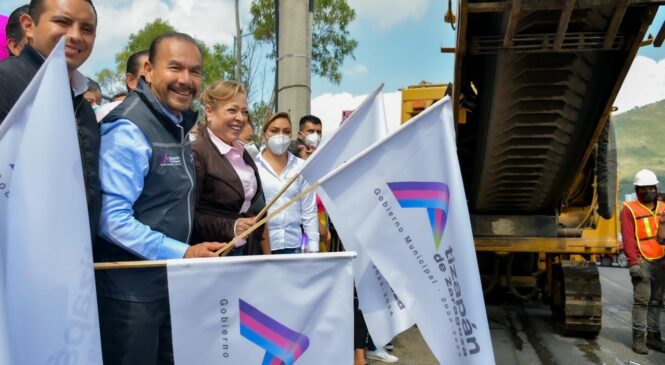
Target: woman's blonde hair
{"x": 221, "y": 91}
{"x": 273, "y": 117}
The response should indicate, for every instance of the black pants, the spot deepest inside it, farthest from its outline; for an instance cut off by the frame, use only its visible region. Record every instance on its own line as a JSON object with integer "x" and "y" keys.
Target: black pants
{"x": 359, "y": 327}
{"x": 135, "y": 333}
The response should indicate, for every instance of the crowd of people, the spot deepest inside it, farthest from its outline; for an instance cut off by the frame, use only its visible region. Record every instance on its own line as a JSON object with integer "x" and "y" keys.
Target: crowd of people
{"x": 164, "y": 181}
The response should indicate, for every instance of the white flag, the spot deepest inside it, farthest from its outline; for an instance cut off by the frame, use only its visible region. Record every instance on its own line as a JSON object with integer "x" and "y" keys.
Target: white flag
{"x": 366, "y": 125}
{"x": 280, "y": 309}
{"x": 51, "y": 305}
{"x": 385, "y": 315}
{"x": 403, "y": 200}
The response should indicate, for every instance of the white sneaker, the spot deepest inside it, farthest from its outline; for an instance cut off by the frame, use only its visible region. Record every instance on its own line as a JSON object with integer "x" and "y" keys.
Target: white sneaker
{"x": 389, "y": 346}
{"x": 381, "y": 355}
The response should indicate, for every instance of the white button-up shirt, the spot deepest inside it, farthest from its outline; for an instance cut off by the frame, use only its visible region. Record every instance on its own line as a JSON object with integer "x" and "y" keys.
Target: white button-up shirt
{"x": 284, "y": 228}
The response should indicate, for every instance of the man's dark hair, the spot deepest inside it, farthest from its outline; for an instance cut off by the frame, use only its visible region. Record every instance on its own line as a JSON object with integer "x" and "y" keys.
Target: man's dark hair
{"x": 37, "y": 9}
{"x": 154, "y": 46}
{"x": 309, "y": 118}
{"x": 93, "y": 86}
{"x": 133, "y": 64}
{"x": 14, "y": 30}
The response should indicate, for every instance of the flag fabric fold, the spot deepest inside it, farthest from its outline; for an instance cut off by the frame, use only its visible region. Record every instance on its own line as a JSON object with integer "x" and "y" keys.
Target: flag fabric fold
{"x": 366, "y": 125}
{"x": 48, "y": 292}
{"x": 277, "y": 310}
{"x": 403, "y": 201}
{"x": 385, "y": 314}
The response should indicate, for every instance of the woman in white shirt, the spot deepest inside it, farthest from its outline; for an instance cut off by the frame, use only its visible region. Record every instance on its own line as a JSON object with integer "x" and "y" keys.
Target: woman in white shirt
{"x": 296, "y": 228}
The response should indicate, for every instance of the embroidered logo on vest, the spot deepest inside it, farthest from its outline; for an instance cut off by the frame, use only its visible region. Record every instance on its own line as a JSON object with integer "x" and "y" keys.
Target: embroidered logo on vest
{"x": 167, "y": 160}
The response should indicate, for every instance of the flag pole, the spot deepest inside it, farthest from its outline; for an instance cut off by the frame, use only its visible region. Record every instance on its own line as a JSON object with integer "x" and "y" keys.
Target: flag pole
{"x": 317, "y": 151}
{"x": 279, "y": 193}
{"x": 225, "y": 251}
{"x": 221, "y": 252}
{"x": 129, "y": 264}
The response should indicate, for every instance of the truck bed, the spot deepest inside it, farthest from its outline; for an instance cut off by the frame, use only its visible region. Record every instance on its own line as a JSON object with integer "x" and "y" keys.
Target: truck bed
{"x": 538, "y": 79}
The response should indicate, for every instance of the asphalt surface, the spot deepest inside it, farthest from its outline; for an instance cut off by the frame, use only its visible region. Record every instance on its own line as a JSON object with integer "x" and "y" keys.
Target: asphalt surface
{"x": 524, "y": 333}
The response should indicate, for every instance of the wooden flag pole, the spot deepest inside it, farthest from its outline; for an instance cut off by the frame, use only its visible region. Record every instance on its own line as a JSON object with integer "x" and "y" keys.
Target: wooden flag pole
{"x": 279, "y": 193}
{"x": 222, "y": 252}
{"x": 129, "y": 264}
{"x": 225, "y": 251}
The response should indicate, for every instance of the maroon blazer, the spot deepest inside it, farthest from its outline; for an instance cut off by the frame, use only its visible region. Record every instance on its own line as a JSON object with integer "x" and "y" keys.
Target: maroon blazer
{"x": 220, "y": 195}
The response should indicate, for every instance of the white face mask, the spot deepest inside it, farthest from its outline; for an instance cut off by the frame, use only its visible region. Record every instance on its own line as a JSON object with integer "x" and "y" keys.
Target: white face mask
{"x": 279, "y": 144}
{"x": 251, "y": 149}
{"x": 312, "y": 139}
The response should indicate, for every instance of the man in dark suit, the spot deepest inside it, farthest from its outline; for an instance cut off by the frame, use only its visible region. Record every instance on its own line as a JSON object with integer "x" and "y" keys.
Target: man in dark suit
{"x": 46, "y": 22}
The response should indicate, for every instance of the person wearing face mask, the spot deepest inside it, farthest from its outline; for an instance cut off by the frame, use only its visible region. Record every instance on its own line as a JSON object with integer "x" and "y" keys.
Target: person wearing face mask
{"x": 246, "y": 138}
{"x": 642, "y": 232}
{"x": 297, "y": 223}
{"x": 309, "y": 136}
{"x": 228, "y": 186}
{"x": 93, "y": 95}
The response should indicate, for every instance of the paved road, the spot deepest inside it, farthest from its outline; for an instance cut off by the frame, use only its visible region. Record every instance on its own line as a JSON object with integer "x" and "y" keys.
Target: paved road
{"x": 525, "y": 334}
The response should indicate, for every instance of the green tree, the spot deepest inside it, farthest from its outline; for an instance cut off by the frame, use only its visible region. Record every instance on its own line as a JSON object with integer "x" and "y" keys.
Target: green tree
{"x": 108, "y": 81}
{"x": 141, "y": 41}
{"x": 259, "y": 113}
{"x": 218, "y": 63}
{"x": 218, "y": 60}
{"x": 331, "y": 40}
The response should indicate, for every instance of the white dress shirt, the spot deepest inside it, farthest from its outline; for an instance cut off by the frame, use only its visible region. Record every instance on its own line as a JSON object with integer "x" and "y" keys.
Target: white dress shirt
{"x": 284, "y": 228}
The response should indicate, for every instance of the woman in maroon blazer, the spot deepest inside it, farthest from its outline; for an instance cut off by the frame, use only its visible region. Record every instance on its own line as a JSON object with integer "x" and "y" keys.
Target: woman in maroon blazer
{"x": 228, "y": 187}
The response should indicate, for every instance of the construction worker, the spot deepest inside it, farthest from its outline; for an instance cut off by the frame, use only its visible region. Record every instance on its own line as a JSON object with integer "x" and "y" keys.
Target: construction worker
{"x": 642, "y": 231}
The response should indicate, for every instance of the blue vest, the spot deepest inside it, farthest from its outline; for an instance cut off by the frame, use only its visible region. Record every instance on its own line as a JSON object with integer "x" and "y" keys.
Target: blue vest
{"x": 166, "y": 203}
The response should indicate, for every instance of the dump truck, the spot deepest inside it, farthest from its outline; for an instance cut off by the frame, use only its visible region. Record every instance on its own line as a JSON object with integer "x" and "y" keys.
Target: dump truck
{"x": 533, "y": 92}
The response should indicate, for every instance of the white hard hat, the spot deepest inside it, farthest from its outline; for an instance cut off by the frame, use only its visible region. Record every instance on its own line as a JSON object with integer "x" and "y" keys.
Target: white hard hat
{"x": 645, "y": 178}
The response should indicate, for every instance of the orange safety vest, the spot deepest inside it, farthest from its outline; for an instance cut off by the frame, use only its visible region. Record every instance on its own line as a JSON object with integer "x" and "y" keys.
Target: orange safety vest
{"x": 646, "y": 229}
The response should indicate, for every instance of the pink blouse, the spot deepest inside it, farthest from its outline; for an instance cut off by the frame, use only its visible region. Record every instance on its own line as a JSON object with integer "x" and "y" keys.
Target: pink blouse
{"x": 245, "y": 172}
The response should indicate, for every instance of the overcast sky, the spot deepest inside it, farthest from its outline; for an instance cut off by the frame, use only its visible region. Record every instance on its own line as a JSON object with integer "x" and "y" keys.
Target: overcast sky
{"x": 399, "y": 44}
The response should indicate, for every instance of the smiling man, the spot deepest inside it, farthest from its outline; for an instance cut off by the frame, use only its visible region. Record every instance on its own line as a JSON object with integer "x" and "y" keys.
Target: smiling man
{"x": 46, "y": 22}
{"x": 147, "y": 178}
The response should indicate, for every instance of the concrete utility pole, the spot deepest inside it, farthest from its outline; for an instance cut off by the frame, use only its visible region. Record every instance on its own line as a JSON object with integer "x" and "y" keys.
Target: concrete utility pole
{"x": 294, "y": 55}
{"x": 238, "y": 45}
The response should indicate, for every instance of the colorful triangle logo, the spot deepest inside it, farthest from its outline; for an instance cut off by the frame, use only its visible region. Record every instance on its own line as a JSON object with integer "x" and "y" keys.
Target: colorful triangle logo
{"x": 433, "y": 196}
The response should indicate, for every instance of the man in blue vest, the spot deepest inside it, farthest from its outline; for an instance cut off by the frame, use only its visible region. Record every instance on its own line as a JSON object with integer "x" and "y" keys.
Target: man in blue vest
{"x": 147, "y": 179}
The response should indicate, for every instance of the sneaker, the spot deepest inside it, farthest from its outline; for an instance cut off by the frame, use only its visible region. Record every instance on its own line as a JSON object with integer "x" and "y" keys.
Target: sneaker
{"x": 389, "y": 346}
{"x": 381, "y": 355}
